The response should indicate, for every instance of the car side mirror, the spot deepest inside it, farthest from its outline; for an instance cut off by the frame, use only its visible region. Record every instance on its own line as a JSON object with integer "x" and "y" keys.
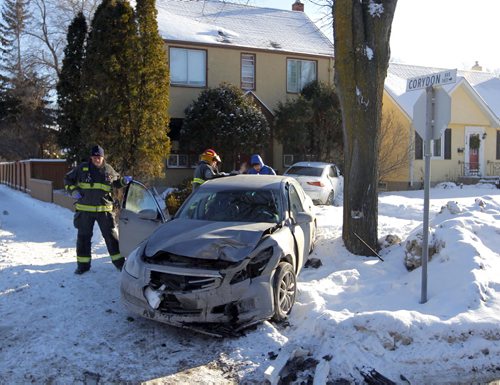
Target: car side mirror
{"x": 148, "y": 214}
{"x": 303, "y": 217}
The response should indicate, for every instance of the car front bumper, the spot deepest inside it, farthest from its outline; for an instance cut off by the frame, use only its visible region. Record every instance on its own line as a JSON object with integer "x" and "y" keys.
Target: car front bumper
{"x": 220, "y": 301}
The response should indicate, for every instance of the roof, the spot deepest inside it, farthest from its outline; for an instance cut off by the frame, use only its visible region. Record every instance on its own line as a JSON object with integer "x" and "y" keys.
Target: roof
{"x": 227, "y": 24}
{"x": 483, "y": 87}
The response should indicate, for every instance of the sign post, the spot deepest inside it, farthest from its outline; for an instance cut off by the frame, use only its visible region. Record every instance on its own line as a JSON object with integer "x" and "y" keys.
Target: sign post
{"x": 437, "y": 116}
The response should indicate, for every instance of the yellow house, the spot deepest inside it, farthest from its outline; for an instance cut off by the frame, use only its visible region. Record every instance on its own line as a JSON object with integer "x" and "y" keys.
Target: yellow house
{"x": 269, "y": 53}
{"x": 468, "y": 150}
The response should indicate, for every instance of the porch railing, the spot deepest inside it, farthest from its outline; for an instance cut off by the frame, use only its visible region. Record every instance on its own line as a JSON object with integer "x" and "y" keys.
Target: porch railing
{"x": 470, "y": 169}
{"x": 473, "y": 169}
{"x": 493, "y": 168}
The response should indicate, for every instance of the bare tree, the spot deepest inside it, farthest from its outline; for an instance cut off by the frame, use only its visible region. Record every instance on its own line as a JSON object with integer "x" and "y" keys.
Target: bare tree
{"x": 361, "y": 38}
{"x": 48, "y": 30}
{"x": 395, "y": 146}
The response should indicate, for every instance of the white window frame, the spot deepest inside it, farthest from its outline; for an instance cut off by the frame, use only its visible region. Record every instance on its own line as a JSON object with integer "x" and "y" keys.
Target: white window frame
{"x": 287, "y": 160}
{"x": 248, "y": 62}
{"x": 294, "y": 86}
{"x": 186, "y": 60}
{"x": 178, "y": 161}
{"x": 441, "y": 148}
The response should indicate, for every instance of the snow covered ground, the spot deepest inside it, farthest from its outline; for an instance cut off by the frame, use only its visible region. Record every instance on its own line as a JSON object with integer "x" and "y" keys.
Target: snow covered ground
{"x": 353, "y": 314}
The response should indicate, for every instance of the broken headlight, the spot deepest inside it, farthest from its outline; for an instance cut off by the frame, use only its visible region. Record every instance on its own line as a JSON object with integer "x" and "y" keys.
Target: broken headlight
{"x": 132, "y": 262}
{"x": 255, "y": 266}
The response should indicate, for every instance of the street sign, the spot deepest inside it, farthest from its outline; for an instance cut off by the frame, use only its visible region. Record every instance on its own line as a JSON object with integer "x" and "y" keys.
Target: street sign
{"x": 435, "y": 79}
{"x": 442, "y": 113}
{"x": 431, "y": 115}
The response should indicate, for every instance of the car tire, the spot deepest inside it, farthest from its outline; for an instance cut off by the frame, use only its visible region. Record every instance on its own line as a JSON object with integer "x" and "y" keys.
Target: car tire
{"x": 330, "y": 199}
{"x": 284, "y": 291}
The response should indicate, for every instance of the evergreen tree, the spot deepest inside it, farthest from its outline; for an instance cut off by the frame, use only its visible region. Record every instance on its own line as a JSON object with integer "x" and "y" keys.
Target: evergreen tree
{"x": 111, "y": 79}
{"x": 15, "y": 16}
{"x": 310, "y": 125}
{"x": 69, "y": 91}
{"x": 149, "y": 143}
{"x": 225, "y": 119}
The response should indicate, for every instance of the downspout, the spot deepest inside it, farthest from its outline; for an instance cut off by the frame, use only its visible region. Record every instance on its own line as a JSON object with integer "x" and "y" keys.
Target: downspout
{"x": 412, "y": 154}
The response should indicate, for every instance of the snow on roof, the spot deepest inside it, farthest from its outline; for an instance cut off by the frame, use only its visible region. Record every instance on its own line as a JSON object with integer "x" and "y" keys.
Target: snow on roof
{"x": 223, "y": 23}
{"x": 486, "y": 86}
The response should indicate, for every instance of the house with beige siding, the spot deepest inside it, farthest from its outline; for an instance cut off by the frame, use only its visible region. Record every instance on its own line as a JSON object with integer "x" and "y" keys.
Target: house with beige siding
{"x": 469, "y": 148}
{"x": 269, "y": 53}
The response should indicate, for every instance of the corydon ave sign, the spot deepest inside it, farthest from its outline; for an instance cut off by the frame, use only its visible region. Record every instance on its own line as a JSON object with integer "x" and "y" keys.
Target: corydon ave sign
{"x": 435, "y": 79}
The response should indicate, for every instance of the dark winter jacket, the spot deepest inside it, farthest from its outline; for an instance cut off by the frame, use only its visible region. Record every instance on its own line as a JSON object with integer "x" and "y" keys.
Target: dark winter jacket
{"x": 264, "y": 170}
{"x": 204, "y": 172}
{"x": 95, "y": 185}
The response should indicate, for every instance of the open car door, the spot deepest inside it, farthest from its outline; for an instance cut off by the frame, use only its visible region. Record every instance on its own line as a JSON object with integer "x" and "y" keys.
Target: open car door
{"x": 301, "y": 227}
{"x": 142, "y": 212}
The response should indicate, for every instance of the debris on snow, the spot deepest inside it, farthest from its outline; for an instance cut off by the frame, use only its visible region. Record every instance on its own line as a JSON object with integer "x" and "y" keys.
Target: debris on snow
{"x": 389, "y": 240}
{"x": 314, "y": 263}
{"x": 452, "y": 207}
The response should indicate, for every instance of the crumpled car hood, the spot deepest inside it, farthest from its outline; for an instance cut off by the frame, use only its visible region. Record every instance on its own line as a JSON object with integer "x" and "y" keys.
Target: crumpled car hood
{"x": 228, "y": 241}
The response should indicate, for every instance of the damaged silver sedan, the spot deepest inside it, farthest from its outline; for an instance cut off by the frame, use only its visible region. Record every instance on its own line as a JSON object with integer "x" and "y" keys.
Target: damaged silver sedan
{"x": 228, "y": 258}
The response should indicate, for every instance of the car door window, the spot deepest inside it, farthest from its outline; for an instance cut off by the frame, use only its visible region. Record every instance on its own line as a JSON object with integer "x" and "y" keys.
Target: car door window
{"x": 333, "y": 172}
{"x": 295, "y": 201}
{"x": 139, "y": 199}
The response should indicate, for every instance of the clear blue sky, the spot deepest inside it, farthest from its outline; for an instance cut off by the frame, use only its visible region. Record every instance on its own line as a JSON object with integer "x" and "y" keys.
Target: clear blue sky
{"x": 440, "y": 33}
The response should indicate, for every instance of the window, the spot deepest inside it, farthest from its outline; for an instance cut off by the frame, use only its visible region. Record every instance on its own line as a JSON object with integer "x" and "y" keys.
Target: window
{"x": 295, "y": 203}
{"x": 287, "y": 160}
{"x": 247, "y": 71}
{"x": 299, "y": 73}
{"x": 439, "y": 147}
{"x": 139, "y": 199}
{"x": 188, "y": 67}
{"x": 436, "y": 148}
{"x": 178, "y": 161}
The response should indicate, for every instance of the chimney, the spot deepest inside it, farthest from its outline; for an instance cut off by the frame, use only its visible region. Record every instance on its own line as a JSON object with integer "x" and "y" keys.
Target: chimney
{"x": 298, "y": 6}
{"x": 476, "y": 67}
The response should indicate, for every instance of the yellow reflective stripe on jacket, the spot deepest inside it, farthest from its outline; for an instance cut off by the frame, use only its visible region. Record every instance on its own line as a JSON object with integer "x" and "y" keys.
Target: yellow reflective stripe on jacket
{"x": 83, "y": 259}
{"x": 94, "y": 209}
{"x": 70, "y": 187}
{"x": 198, "y": 180}
{"x": 116, "y": 257}
{"x": 94, "y": 186}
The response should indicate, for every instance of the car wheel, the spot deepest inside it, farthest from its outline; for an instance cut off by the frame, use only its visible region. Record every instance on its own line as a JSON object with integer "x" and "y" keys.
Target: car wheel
{"x": 284, "y": 291}
{"x": 331, "y": 198}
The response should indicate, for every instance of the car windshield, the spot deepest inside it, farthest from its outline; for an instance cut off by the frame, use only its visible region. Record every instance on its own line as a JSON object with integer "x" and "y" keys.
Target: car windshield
{"x": 233, "y": 206}
{"x": 304, "y": 170}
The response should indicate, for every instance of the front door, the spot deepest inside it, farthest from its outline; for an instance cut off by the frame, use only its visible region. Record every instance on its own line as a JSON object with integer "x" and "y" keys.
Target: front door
{"x": 141, "y": 214}
{"x": 474, "y": 151}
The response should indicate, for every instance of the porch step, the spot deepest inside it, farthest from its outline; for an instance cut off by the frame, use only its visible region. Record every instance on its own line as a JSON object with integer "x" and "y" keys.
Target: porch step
{"x": 478, "y": 179}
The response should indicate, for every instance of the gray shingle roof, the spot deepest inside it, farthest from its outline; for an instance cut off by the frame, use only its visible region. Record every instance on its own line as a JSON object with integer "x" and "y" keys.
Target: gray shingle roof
{"x": 222, "y": 23}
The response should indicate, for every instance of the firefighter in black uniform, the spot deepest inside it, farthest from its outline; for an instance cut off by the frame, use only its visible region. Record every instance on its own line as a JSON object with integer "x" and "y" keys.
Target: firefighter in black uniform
{"x": 91, "y": 184}
{"x": 207, "y": 168}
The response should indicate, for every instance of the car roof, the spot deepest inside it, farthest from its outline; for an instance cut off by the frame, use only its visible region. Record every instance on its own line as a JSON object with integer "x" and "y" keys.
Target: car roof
{"x": 245, "y": 182}
{"x": 311, "y": 164}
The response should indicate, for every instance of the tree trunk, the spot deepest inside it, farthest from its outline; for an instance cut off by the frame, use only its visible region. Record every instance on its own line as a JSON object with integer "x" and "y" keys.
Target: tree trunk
{"x": 361, "y": 32}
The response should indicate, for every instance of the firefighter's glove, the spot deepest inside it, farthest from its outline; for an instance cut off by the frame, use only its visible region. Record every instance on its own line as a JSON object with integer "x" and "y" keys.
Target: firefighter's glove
{"x": 127, "y": 179}
{"x": 76, "y": 194}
